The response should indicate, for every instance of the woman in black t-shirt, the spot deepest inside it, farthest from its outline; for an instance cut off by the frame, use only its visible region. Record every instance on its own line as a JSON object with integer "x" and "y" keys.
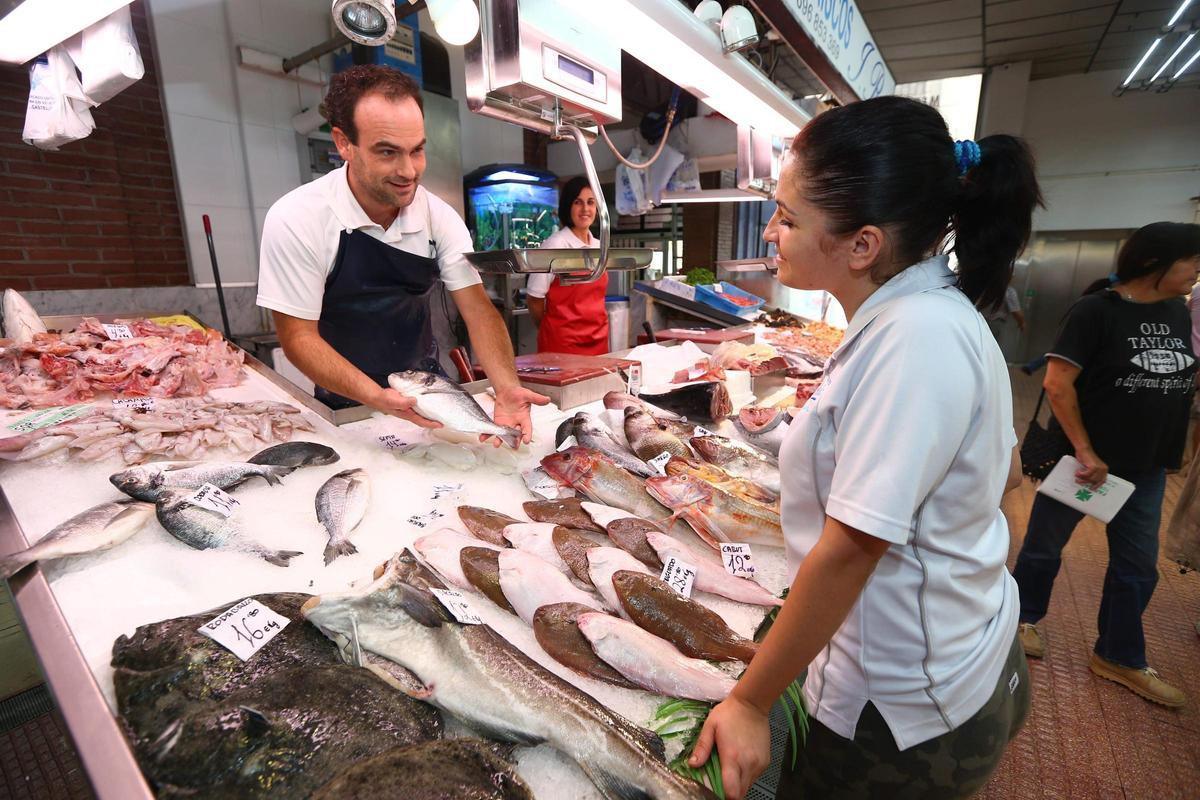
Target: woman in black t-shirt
{"x": 1120, "y": 380}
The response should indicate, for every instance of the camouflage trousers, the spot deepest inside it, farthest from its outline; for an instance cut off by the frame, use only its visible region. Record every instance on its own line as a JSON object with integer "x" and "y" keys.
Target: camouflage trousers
{"x": 954, "y": 765}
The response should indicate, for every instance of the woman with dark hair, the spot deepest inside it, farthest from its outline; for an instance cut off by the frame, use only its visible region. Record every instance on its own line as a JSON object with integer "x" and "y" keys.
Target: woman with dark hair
{"x": 1120, "y": 380}
{"x": 570, "y": 319}
{"x": 900, "y": 607}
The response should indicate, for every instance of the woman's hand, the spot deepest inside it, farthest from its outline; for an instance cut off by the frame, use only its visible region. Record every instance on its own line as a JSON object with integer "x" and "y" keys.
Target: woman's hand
{"x": 512, "y": 409}
{"x": 1092, "y": 471}
{"x": 742, "y": 736}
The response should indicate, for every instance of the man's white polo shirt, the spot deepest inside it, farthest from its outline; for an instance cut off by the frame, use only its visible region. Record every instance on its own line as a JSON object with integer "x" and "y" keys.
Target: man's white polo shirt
{"x": 302, "y": 231}
{"x": 909, "y": 439}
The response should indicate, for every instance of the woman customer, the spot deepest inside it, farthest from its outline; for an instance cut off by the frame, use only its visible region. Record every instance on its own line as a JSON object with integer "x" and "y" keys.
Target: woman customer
{"x": 900, "y": 606}
{"x": 570, "y": 319}
{"x": 1120, "y": 380}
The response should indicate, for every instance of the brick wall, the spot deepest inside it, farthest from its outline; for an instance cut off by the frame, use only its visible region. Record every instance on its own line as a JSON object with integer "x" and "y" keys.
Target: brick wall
{"x": 101, "y": 212}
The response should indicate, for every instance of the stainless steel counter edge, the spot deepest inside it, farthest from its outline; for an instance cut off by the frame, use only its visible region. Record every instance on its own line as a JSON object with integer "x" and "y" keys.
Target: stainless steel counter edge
{"x": 106, "y": 756}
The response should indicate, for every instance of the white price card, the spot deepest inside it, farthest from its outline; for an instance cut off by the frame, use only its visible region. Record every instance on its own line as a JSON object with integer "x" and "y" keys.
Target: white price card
{"x": 679, "y": 575}
{"x": 50, "y": 416}
{"x": 538, "y": 481}
{"x": 214, "y": 499}
{"x": 136, "y": 403}
{"x": 700, "y": 430}
{"x": 635, "y": 379}
{"x": 117, "y": 331}
{"x": 457, "y": 605}
{"x": 245, "y": 628}
{"x": 570, "y": 441}
{"x": 392, "y": 443}
{"x": 659, "y": 462}
{"x": 737, "y": 558}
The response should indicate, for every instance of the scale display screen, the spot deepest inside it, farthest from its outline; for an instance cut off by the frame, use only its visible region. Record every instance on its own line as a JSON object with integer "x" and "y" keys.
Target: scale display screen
{"x": 576, "y": 69}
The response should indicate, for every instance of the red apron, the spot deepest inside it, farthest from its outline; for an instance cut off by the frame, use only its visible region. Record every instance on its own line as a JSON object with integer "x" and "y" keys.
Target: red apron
{"x": 575, "y": 321}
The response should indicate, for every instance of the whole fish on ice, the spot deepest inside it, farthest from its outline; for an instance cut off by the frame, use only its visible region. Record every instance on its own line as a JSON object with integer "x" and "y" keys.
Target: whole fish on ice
{"x": 441, "y": 550}
{"x": 740, "y": 460}
{"x": 206, "y": 530}
{"x": 295, "y": 454}
{"x": 713, "y": 474}
{"x": 444, "y": 401}
{"x": 711, "y": 575}
{"x": 556, "y": 628}
{"x": 486, "y": 524}
{"x": 341, "y": 505}
{"x": 589, "y": 431}
{"x": 590, "y": 472}
{"x": 99, "y": 528}
{"x": 716, "y": 515}
{"x": 473, "y": 673}
{"x": 149, "y": 481}
{"x": 603, "y": 563}
{"x": 530, "y": 583}
{"x": 649, "y": 438}
{"x": 570, "y": 512}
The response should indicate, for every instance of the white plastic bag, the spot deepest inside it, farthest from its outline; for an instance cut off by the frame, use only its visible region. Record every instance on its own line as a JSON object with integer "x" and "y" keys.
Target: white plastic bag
{"x": 686, "y": 178}
{"x": 662, "y": 170}
{"x": 57, "y": 111}
{"x": 631, "y": 187}
{"x": 107, "y": 55}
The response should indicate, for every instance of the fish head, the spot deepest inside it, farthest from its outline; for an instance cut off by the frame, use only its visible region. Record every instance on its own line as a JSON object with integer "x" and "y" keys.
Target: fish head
{"x": 616, "y": 401}
{"x": 679, "y": 491}
{"x": 137, "y": 481}
{"x": 710, "y": 448}
{"x": 571, "y": 466}
{"x": 412, "y": 382}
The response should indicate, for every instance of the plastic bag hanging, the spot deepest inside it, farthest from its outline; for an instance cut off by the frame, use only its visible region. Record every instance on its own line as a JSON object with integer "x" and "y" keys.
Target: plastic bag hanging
{"x": 631, "y": 188}
{"x": 57, "y": 111}
{"x": 108, "y": 57}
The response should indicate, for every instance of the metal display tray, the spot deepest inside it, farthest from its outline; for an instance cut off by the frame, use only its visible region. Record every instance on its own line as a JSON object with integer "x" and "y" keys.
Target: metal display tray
{"x": 564, "y": 260}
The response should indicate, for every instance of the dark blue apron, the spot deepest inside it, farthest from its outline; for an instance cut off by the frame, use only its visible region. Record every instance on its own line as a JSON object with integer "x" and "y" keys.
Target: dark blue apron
{"x": 376, "y": 311}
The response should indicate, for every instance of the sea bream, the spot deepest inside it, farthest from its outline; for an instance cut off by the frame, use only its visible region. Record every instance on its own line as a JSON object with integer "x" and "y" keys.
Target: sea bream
{"x": 716, "y": 515}
{"x": 444, "y": 401}
{"x": 99, "y": 528}
{"x": 202, "y": 529}
{"x": 473, "y": 673}
{"x": 591, "y": 432}
{"x": 296, "y": 454}
{"x": 341, "y": 505}
{"x": 648, "y": 437}
{"x": 149, "y": 481}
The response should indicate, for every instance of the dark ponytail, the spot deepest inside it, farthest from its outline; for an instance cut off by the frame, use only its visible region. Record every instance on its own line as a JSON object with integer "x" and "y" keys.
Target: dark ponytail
{"x": 1152, "y": 249}
{"x": 890, "y": 162}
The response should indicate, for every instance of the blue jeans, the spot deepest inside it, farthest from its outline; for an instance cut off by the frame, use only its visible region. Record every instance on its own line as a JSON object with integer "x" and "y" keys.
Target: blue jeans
{"x": 1132, "y": 566}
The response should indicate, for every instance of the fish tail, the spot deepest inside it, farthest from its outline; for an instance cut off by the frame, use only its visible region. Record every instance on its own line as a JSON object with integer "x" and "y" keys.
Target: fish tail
{"x": 280, "y": 558}
{"x": 274, "y": 474}
{"x": 335, "y": 549}
{"x": 11, "y": 565}
{"x": 511, "y": 437}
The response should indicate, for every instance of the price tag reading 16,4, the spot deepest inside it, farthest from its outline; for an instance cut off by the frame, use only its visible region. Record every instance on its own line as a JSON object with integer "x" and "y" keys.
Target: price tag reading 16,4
{"x": 679, "y": 575}
{"x": 245, "y": 628}
{"x": 737, "y": 559}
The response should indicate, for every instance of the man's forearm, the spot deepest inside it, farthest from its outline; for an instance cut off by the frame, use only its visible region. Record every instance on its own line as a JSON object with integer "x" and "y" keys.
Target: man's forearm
{"x": 327, "y": 368}
{"x": 537, "y": 309}
{"x": 493, "y": 348}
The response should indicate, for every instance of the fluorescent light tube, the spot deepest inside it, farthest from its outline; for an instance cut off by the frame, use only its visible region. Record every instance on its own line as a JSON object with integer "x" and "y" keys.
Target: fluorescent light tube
{"x": 1178, "y": 50}
{"x": 1179, "y": 12}
{"x": 1142, "y": 60}
{"x": 1183, "y": 69}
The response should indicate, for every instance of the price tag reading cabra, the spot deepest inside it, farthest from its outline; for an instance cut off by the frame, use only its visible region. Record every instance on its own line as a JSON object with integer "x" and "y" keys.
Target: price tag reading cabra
{"x": 214, "y": 499}
{"x": 245, "y": 628}
{"x": 659, "y": 462}
{"x": 457, "y": 605}
{"x": 679, "y": 575}
{"x": 737, "y": 559}
{"x": 117, "y": 331}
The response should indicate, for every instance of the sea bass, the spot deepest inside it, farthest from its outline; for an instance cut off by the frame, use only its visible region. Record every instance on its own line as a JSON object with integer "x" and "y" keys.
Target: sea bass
{"x": 296, "y": 454}
{"x": 442, "y": 549}
{"x": 148, "y": 481}
{"x": 713, "y": 474}
{"x": 530, "y": 583}
{"x": 444, "y": 401}
{"x": 591, "y": 432}
{"x": 341, "y": 505}
{"x": 205, "y": 530}
{"x": 652, "y": 662}
{"x": 711, "y": 575}
{"x": 716, "y": 515}
{"x": 740, "y": 460}
{"x": 697, "y": 631}
{"x": 556, "y": 628}
{"x": 21, "y": 321}
{"x": 570, "y": 512}
{"x": 99, "y": 528}
{"x": 649, "y": 438}
{"x": 603, "y": 563}
{"x": 473, "y": 673}
{"x": 486, "y": 524}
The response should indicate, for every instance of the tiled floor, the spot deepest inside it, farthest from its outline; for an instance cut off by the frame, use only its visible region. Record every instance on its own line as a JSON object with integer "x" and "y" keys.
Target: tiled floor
{"x": 37, "y": 762}
{"x": 1087, "y": 737}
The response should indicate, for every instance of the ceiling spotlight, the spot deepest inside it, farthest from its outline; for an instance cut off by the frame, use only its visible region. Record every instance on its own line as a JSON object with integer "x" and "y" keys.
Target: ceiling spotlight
{"x": 709, "y": 11}
{"x": 370, "y": 22}
{"x": 737, "y": 29}
{"x": 456, "y": 21}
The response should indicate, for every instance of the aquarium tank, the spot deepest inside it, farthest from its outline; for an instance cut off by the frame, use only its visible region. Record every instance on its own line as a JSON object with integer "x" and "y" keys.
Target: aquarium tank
{"x": 511, "y": 205}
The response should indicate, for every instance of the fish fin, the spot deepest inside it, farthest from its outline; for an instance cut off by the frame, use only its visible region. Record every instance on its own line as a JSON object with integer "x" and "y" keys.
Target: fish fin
{"x": 280, "y": 558}
{"x": 653, "y": 742}
{"x": 507, "y": 734}
{"x": 612, "y": 786}
{"x": 274, "y": 474}
{"x": 511, "y": 437}
{"x": 342, "y": 548}
{"x": 11, "y": 565}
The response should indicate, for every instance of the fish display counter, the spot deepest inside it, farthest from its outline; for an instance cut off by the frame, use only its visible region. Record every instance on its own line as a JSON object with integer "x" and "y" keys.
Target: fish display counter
{"x": 343, "y": 535}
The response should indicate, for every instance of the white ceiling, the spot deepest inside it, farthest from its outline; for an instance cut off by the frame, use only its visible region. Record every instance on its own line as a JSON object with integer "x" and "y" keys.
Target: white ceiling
{"x": 923, "y": 39}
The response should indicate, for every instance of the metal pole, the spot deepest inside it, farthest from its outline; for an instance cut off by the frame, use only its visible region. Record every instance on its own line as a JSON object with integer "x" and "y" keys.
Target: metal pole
{"x": 212, "y": 255}
{"x": 327, "y": 46}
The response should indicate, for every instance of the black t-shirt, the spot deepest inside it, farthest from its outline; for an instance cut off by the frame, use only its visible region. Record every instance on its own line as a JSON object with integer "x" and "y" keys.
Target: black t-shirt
{"x": 1135, "y": 383}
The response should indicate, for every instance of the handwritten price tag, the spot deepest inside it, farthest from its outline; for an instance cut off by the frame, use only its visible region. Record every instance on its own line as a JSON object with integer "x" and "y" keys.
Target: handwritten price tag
{"x": 423, "y": 520}
{"x": 392, "y": 443}
{"x": 245, "y": 628}
{"x": 679, "y": 575}
{"x": 659, "y": 462}
{"x": 214, "y": 499}
{"x": 542, "y": 485}
{"x": 457, "y": 605}
{"x": 702, "y": 431}
{"x": 737, "y": 558}
{"x": 117, "y": 331}
{"x": 50, "y": 416}
{"x": 136, "y": 403}
{"x": 441, "y": 490}
{"x": 635, "y": 379}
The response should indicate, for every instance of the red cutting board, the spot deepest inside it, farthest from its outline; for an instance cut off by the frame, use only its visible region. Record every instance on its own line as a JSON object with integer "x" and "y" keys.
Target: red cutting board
{"x": 572, "y": 368}
{"x": 716, "y": 336}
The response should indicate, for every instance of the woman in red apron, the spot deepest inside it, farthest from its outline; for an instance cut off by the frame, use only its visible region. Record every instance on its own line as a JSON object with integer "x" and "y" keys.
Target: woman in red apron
{"x": 571, "y": 319}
